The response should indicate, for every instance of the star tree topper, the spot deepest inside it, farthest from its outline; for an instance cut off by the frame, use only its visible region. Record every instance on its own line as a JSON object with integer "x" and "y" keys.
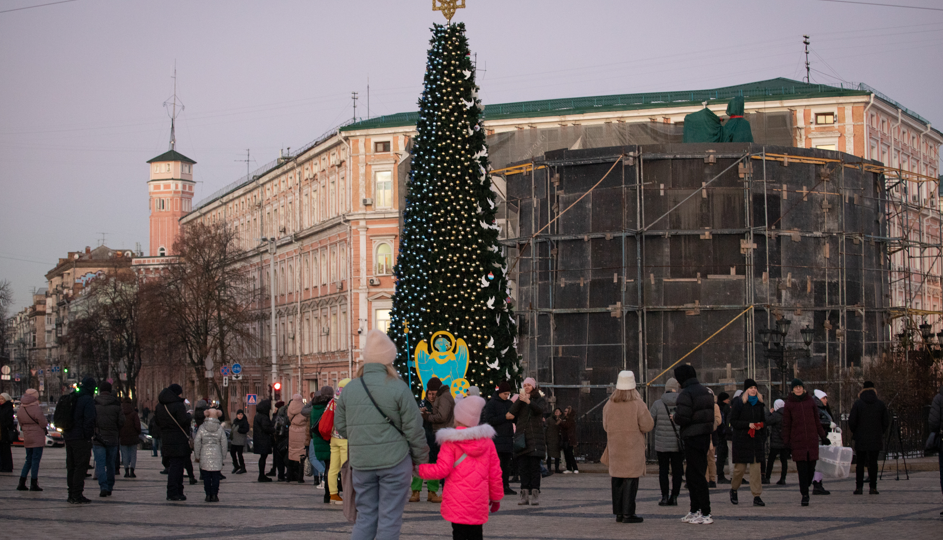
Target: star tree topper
{"x": 448, "y": 7}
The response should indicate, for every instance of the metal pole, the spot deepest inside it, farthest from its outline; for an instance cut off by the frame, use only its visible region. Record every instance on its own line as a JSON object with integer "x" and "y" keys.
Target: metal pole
{"x": 271, "y": 249}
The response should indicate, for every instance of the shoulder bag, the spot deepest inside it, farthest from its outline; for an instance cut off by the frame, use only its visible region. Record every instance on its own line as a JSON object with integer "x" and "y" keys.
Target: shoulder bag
{"x": 674, "y": 428}
{"x": 45, "y": 428}
{"x": 519, "y": 443}
{"x": 379, "y": 410}
{"x": 189, "y": 440}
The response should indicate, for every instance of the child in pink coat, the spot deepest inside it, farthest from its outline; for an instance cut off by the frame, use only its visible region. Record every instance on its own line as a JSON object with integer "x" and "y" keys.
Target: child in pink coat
{"x": 468, "y": 459}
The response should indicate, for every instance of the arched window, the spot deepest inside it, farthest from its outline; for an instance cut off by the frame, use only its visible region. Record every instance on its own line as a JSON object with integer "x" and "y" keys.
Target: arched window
{"x": 384, "y": 259}
{"x": 162, "y": 252}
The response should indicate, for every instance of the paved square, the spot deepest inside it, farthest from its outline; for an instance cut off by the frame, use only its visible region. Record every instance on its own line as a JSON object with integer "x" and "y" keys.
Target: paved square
{"x": 572, "y": 507}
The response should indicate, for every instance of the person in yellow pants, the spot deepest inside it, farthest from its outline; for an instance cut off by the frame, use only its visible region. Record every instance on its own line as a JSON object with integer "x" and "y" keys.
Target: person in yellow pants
{"x": 338, "y": 450}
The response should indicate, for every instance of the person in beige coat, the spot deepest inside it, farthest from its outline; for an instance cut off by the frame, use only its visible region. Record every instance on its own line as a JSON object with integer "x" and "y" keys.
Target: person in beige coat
{"x": 298, "y": 438}
{"x": 626, "y": 420}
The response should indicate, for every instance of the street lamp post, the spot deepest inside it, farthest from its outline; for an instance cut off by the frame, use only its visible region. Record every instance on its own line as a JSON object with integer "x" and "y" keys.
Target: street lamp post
{"x": 272, "y": 246}
{"x": 774, "y": 341}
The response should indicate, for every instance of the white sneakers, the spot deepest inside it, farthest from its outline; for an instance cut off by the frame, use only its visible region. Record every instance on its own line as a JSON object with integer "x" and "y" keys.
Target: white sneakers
{"x": 695, "y": 518}
{"x": 567, "y": 472}
{"x": 576, "y": 472}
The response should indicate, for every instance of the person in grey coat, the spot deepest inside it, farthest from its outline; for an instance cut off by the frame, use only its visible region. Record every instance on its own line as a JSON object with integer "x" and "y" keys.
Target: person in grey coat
{"x": 108, "y": 424}
{"x": 209, "y": 447}
{"x": 667, "y": 445}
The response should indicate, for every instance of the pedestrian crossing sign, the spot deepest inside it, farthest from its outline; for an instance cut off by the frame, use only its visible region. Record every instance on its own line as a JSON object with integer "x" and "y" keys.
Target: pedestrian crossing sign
{"x": 252, "y": 399}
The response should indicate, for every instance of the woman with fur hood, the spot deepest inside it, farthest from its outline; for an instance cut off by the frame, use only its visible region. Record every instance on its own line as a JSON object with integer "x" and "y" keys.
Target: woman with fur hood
{"x": 468, "y": 459}
{"x": 209, "y": 447}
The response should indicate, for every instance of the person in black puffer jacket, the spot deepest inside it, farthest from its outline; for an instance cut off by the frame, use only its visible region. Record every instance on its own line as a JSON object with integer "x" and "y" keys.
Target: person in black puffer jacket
{"x": 695, "y": 415}
{"x": 748, "y": 420}
{"x": 528, "y": 413}
{"x": 869, "y": 421}
{"x": 108, "y": 426}
{"x": 495, "y": 413}
{"x": 262, "y": 432}
{"x": 174, "y": 423}
{"x": 774, "y": 421}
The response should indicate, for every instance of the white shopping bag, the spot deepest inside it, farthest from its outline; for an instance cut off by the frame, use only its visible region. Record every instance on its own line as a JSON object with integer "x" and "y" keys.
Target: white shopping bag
{"x": 834, "y": 437}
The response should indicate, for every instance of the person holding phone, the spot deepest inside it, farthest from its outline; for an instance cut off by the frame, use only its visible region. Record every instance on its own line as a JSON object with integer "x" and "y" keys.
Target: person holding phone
{"x": 528, "y": 413}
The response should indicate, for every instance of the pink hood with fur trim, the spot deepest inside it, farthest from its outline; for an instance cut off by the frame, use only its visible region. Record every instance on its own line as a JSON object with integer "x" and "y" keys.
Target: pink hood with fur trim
{"x": 470, "y": 462}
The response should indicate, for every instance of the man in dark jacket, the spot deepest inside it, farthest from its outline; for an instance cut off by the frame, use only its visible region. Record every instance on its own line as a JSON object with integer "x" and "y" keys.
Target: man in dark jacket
{"x": 721, "y": 436}
{"x": 174, "y": 422}
{"x": 442, "y": 413}
{"x": 868, "y": 421}
{"x": 108, "y": 423}
{"x": 695, "y": 416}
{"x": 262, "y": 432}
{"x": 495, "y": 413}
{"x": 78, "y": 440}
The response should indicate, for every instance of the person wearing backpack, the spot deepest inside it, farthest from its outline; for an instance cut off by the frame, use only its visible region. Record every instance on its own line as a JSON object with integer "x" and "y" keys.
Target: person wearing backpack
{"x": 77, "y": 431}
{"x": 108, "y": 423}
{"x": 377, "y": 413}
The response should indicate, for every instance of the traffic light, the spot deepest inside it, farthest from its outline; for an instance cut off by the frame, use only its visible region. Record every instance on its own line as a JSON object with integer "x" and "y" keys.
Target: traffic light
{"x": 278, "y": 391}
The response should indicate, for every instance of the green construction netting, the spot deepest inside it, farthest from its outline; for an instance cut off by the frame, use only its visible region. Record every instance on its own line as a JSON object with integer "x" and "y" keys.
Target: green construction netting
{"x": 737, "y": 129}
{"x": 702, "y": 126}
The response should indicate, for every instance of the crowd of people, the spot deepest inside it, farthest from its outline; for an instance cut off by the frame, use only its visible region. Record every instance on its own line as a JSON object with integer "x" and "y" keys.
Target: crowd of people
{"x": 371, "y": 449}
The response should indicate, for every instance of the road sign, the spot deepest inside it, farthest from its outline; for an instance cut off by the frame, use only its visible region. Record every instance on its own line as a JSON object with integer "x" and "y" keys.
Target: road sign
{"x": 237, "y": 377}
{"x": 236, "y": 369}
{"x": 4, "y": 377}
{"x": 224, "y": 370}
{"x": 55, "y": 369}
{"x": 208, "y": 363}
{"x": 252, "y": 399}
{"x": 225, "y": 381}
{"x": 16, "y": 377}
{"x": 40, "y": 372}
{"x": 5, "y": 370}
{"x": 209, "y": 374}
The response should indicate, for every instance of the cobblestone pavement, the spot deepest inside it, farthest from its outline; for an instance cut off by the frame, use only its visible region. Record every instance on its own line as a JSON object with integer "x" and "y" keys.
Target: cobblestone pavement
{"x": 572, "y": 506}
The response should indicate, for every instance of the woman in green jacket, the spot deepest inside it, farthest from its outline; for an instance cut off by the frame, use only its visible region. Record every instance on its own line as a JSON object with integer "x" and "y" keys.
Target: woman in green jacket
{"x": 319, "y": 450}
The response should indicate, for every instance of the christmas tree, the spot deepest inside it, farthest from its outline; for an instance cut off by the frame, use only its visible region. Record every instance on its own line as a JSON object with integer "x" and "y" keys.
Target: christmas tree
{"x": 451, "y": 277}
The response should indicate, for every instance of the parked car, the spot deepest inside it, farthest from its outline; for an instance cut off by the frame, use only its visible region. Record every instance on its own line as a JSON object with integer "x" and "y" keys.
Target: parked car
{"x": 53, "y": 437}
{"x": 147, "y": 442}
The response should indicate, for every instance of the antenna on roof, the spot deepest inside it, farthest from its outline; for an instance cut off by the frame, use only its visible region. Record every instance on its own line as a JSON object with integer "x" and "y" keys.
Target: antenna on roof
{"x": 247, "y": 161}
{"x": 172, "y": 104}
{"x": 806, "y": 42}
{"x": 102, "y": 241}
{"x": 477, "y": 69}
{"x": 353, "y": 96}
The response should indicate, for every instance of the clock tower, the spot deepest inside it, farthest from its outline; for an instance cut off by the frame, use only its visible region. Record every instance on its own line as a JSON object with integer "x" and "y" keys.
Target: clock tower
{"x": 171, "y": 197}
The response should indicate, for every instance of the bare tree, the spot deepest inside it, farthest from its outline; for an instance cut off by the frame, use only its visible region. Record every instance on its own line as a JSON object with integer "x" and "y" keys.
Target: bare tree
{"x": 206, "y": 301}
{"x": 6, "y": 298}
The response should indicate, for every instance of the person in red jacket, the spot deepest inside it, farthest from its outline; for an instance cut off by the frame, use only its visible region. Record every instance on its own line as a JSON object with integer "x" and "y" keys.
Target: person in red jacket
{"x": 468, "y": 459}
{"x": 802, "y": 432}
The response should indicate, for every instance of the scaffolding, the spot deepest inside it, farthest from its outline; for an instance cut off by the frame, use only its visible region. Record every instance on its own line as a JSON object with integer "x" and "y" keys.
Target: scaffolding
{"x": 629, "y": 257}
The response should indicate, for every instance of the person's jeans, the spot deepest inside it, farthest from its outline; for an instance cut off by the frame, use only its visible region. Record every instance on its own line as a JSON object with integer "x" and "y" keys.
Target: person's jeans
{"x": 676, "y": 461}
{"x": 33, "y": 455}
{"x": 783, "y": 454}
{"x": 77, "y": 456}
{"x": 156, "y": 446}
{"x": 381, "y": 499}
{"x": 338, "y": 457}
{"x": 867, "y": 459}
{"x": 211, "y": 482}
{"x": 105, "y": 457}
{"x": 530, "y": 472}
{"x": 315, "y": 462}
{"x": 696, "y": 456}
{"x": 129, "y": 455}
{"x": 432, "y": 485}
{"x": 175, "y": 466}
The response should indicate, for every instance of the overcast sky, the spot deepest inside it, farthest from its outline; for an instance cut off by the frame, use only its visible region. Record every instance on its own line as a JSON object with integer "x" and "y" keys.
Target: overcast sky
{"x": 82, "y": 83}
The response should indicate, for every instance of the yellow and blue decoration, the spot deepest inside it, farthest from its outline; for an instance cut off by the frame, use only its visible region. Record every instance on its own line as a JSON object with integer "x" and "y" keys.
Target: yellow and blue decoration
{"x": 448, "y": 362}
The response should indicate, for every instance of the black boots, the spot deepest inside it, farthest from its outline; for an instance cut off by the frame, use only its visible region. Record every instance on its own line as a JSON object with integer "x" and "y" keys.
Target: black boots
{"x": 664, "y": 500}
{"x": 733, "y": 496}
{"x": 673, "y": 500}
{"x": 132, "y": 475}
{"x": 818, "y": 489}
{"x": 34, "y": 485}
{"x": 22, "y": 486}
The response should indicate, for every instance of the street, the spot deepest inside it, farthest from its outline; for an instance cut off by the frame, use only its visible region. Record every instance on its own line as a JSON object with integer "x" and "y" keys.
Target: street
{"x": 572, "y": 507}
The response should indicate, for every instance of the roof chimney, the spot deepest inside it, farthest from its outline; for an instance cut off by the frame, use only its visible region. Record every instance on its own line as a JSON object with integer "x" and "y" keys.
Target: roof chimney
{"x": 88, "y": 250}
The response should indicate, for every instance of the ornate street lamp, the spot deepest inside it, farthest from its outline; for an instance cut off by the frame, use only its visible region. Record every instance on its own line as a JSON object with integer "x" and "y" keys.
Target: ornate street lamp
{"x": 926, "y": 331}
{"x": 807, "y": 335}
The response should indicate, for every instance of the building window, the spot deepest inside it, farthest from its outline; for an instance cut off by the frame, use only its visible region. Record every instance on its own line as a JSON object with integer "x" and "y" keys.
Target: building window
{"x": 383, "y": 146}
{"x": 381, "y": 320}
{"x": 384, "y": 260}
{"x": 824, "y": 118}
{"x": 383, "y": 181}
{"x": 162, "y": 252}
{"x": 826, "y": 147}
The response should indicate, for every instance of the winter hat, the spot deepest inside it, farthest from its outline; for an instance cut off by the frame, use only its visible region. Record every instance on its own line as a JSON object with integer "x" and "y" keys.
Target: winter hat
{"x": 685, "y": 372}
{"x": 212, "y": 413}
{"x": 296, "y": 397}
{"x": 819, "y": 394}
{"x": 433, "y": 384}
{"x": 796, "y": 382}
{"x": 530, "y": 381}
{"x": 722, "y": 396}
{"x": 327, "y": 393}
{"x": 468, "y": 410}
{"x": 202, "y": 404}
{"x": 737, "y": 394}
{"x": 749, "y": 383}
{"x": 279, "y": 404}
{"x": 175, "y": 388}
{"x": 626, "y": 381}
{"x": 504, "y": 387}
{"x": 868, "y": 384}
{"x": 104, "y": 387}
{"x": 88, "y": 383}
{"x": 6, "y": 397}
{"x": 672, "y": 385}
{"x": 240, "y": 411}
{"x": 474, "y": 391}
{"x": 379, "y": 349}
{"x": 778, "y": 404}
{"x": 31, "y": 392}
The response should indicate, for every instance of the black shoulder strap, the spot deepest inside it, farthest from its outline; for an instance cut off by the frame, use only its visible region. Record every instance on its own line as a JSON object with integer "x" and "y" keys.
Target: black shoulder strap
{"x": 670, "y": 419}
{"x": 379, "y": 410}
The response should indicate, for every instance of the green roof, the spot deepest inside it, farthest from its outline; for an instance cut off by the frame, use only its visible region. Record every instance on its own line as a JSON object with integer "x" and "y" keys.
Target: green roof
{"x": 780, "y": 88}
{"x": 172, "y": 155}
